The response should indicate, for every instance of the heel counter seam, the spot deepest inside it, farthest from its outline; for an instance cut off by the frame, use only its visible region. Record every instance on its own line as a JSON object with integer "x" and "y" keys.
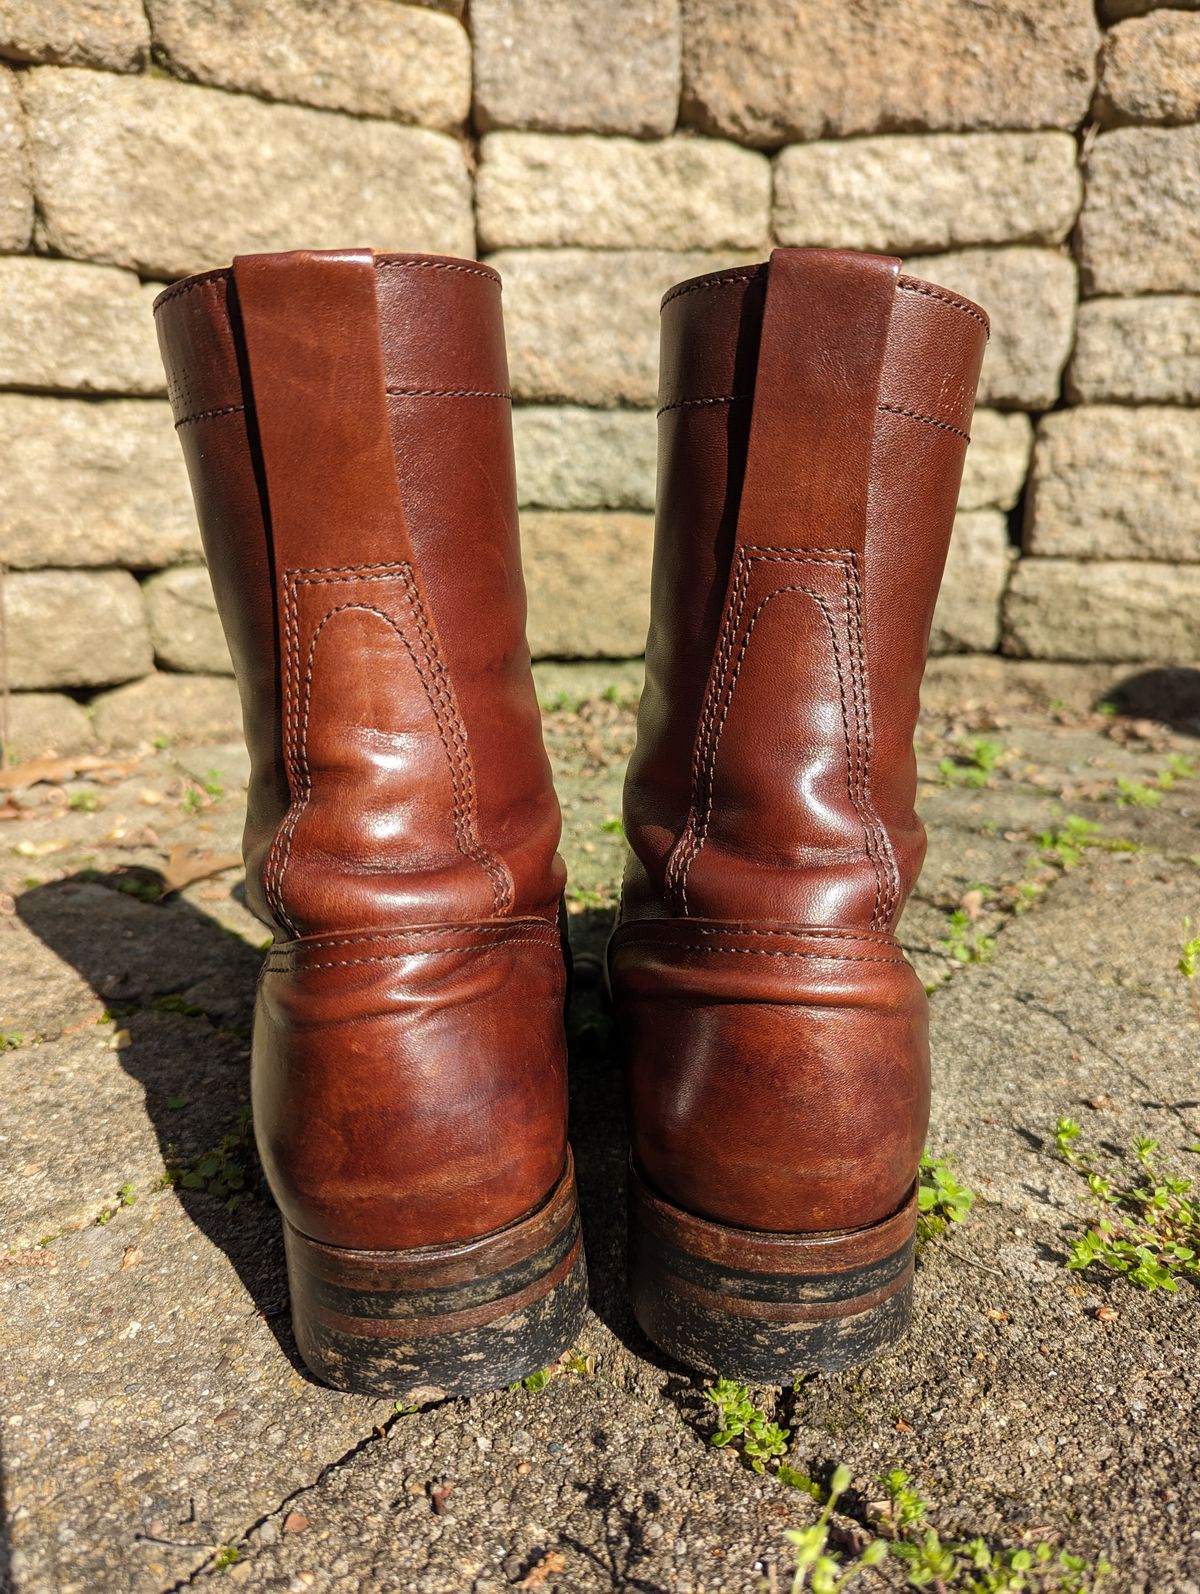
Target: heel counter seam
{"x": 438, "y": 691}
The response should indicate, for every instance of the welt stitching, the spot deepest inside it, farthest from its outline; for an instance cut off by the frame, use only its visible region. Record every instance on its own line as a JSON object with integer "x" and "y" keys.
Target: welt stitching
{"x": 929, "y": 420}
{"x": 762, "y": 952}
{"x": 392, "y": 957}
{"x": 747, "y": 274}
{"x": 208, "y": 415}
{"x": 717, "y": 398}
{"x": 910, "y": 285}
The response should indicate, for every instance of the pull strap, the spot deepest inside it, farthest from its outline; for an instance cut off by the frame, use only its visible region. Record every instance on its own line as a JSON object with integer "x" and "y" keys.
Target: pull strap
{"x": 310, "y": 321}
{"x": 824, "y": 332}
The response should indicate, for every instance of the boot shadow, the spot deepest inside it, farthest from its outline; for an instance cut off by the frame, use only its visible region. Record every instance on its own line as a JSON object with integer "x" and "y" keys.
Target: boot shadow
{"x": 599, "y": 1137}
{"x": 183, "y": 986}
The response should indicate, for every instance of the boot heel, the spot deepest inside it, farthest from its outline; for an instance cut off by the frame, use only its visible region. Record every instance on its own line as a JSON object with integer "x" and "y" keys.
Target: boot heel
{"x": 765, "y": 1308}
{"x": 441, "y": 1321}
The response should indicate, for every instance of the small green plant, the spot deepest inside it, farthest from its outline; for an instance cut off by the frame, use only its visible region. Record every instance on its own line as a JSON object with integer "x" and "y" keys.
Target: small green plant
{"x": 10, "y": 1041}
{"x": 172, "y": 1002}
{"x": 1188, "y": 966}
{"x": 964, "y": 941}
{"x": 126, "y": 1197}
{"x": 1066, "y": 847}
{"x": 745, "y": 1426}
{"x": 226, "y": 1555}
{"x": 1134, "y": 794}
{"x": 82, "y": 802}
{"x": 571, "y": 1361}
{"x": 612, "y": 827}
{"x": 818, "y": 1570}
{"x": 974, "y": 765}
{"x": 1177, "y": 768}
{"x": 213, "y": 785}
{"x": 224, "y": 1171}
{"x": 941, "y": 1200}
{"x": 161, "y": 742}
{"x": 1148, "y": 1227}
{"x": 971, "y": 1566}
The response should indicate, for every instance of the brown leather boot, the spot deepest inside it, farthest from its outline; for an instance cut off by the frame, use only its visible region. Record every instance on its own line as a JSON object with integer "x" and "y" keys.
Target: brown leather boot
{"x": 814, "y": 422}
{"x": 346, "y": 425}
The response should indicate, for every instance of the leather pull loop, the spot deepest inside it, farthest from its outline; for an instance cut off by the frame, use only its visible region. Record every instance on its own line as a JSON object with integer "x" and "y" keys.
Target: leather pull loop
{"x": 310, "y": 321}
{"x": 824, "y": 333}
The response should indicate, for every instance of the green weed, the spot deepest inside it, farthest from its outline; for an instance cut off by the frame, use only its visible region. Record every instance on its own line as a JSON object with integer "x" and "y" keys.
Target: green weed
{"x": 1148, "y": 1227}
{"x": 224, "y": 1171}
{"x": 974, "y": 764}
{"x": 941, "y": 1200}
{"x": 964, "y": 941}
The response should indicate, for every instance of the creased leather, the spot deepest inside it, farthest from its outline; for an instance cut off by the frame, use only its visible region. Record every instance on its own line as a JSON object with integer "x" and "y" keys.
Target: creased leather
{"x": 814, "y": 417}
{"x": 346, "y": 426}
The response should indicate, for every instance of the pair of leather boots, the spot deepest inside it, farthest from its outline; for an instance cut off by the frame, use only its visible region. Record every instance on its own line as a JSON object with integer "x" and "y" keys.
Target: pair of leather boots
{"x": 345, "y": 419}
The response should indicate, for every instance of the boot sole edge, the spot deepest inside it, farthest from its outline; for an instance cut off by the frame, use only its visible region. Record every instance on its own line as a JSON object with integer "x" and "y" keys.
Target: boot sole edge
{"x": 442, "y": 1322}
{"x": 767, "y": 1308}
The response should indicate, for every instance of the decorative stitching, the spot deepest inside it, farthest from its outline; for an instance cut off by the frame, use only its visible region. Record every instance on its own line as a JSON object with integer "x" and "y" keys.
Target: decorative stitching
{"x": 719, "y": 699}
{"x": 438, "y": 691}
{"x": 880, "y": 838}
{"x": 814, "y": 932}
{"x": 746, "y": 274}
{"x": 444, "y": 392}
{"x": 321, "y": 942}
{"x": 438, "y": 265}
{"x": 720, "y": 398}
{"x": 914, "y": 285}
{"x": 762, "y": 952}
{"x": 189, "y": 285}
{"x": 425, "y": 952}
{"x": 930, "y": 420}
{"x": 208, "y": 415}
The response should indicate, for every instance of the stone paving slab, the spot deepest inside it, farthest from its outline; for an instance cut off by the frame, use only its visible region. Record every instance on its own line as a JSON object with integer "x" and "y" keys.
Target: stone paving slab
{"x": 159, "y": 1432}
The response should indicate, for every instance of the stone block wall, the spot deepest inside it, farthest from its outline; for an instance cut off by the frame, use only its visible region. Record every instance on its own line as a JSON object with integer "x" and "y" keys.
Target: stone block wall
{"x": 1042, "y": 158}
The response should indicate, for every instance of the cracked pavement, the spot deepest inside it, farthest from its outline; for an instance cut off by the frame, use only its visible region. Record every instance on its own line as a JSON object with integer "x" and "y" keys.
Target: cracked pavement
{"x": 157, "y": 1430}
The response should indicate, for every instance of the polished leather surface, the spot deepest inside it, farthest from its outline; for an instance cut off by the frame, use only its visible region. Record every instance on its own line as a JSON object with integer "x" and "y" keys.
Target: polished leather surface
{"x": 346, "y": 426}
{"x": 815, "y": 416}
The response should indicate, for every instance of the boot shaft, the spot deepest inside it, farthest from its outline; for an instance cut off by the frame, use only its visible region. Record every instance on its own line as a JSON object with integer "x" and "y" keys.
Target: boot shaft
{"x": 815, "y": 415}
{"x": 346, "y": 426}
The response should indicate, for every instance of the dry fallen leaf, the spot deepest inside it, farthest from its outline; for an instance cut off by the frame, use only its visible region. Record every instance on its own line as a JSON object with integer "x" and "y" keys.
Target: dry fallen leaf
{"x": 53, "y": 771}
{"x": 133, "y": 1255}
{"x": 31, "y": 1258}
{"x": 188, "y": 864}
{"x": 553, "y": 1561}
{"x": 972, "y": 904}
{"x": 295, "y": 1522}
{"x": 1105, "y": 1314}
